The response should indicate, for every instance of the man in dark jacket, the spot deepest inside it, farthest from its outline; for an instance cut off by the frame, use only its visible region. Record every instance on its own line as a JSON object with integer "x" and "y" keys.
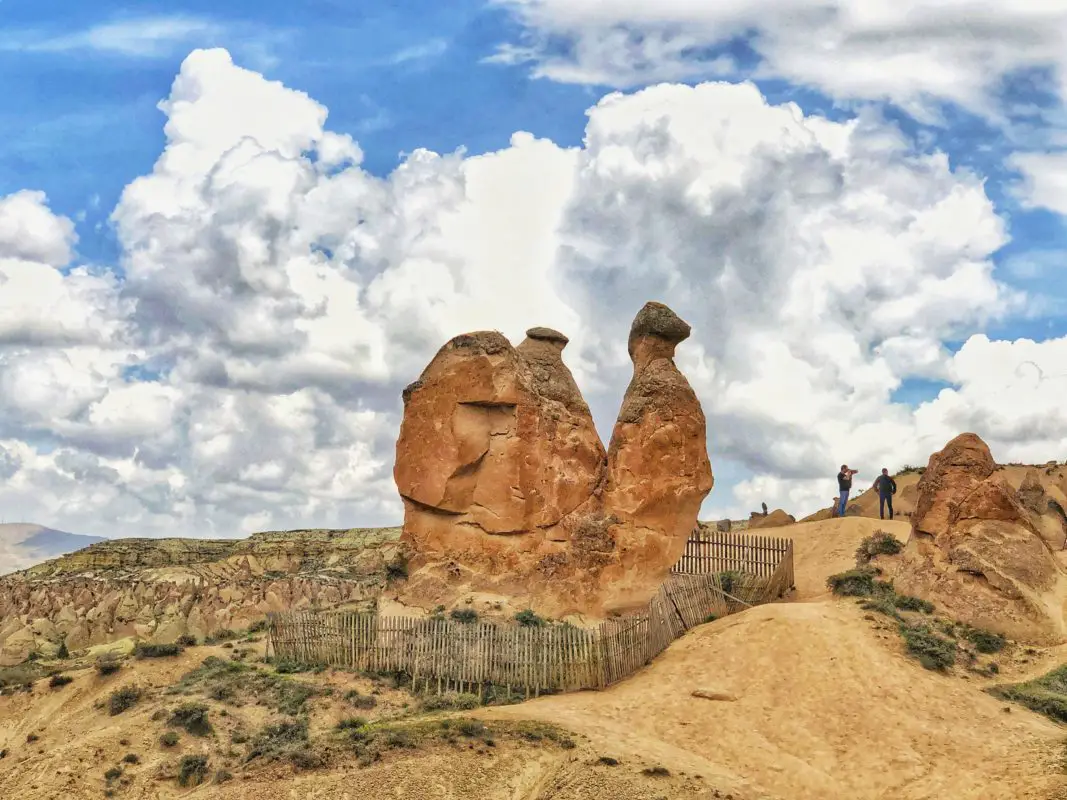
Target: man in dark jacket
{"x": 844, "y": 484}
{"x": 886, "y": 487}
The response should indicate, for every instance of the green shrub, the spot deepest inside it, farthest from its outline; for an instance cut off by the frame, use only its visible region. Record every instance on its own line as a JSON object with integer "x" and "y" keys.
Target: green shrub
{"x": 62, "y": 652}
{"x": 467, "y": 616}
{"x": 933, "y": 651}
{"x": 60, "y": 680}
{"x": 985, "y": 641}
{"x": 351, "y": 723}
{"x": 192, "y": 770}
{"x": 852, "y": 583}
{"x": 397, "y": 569}
{"x": 222, "y": 776}
{"x": 291, "y": 667}
{"x": 113, "y": 774}
{"x": 169, "y": 739}
{"x": 193, "y": 717}
{"x": 147, "y": 650}
{"x": 471, "y": 728}
{"x": 656, "y": 772}
{"x": 879, "y": 543}
{"x": 906, "y": 602}
{"x": 108, "y": 664}
{"x": 259, "y": 626}
{"x": 187, "y": 640}
{"x": 528, "y": 619}
{"x": 123, "y": 699}
{"x": 451, "y": 701}
{"x": 131, "y": 758}
{"x": 364, "y": 702}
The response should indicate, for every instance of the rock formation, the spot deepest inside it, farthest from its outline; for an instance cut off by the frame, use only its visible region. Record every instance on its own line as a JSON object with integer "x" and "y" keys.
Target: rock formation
{"x": 507, "y": 488}
{"x": 976, "y": 551}
{"x": 160, "y": 589}
{"x": 776, "y": 519}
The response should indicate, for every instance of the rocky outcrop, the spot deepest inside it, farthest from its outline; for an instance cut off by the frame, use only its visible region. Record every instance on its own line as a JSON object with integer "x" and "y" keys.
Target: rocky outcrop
{"x": 976, "y": 551}
{"x": 507, "y": 488}
{"x": 775, "y": 519}
{"x": 159, "y": 590}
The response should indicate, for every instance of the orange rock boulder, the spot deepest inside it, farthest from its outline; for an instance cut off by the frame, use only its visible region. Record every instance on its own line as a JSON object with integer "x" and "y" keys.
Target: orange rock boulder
{"x": 976, "y": 552}
{"x": 507, "y": 488}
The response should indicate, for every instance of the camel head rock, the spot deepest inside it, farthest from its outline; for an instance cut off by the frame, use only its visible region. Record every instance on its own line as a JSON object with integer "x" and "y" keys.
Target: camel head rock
{"x": 976, "y": 551}
{"x": 508, "y": 489}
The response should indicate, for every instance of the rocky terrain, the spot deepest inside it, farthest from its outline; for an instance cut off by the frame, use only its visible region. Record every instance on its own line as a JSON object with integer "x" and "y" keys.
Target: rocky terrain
{"x": 983, "y": 549}
{"x": 508, "y": 490}
{"x": 24, "y": 544}
{"x": 161, "y": 589}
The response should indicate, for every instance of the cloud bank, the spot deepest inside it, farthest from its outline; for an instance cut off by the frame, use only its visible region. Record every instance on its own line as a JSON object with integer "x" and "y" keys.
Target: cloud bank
{"x": 240, "y": 368}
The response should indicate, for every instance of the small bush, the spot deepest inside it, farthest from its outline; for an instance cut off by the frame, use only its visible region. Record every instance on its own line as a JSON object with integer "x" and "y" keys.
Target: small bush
{"x": 351, "y": 723}
{"x": 656, "y": 772}
{"x": 123, "y": 699}
{"x": 933, "y": 652}
{"x": 397, "y": 569}
{"x": 305, "y": 759}
{"x": 451, "y": 701}
{"x": 468, "y": 616}
{"x": 62, "y": 652}
{"x": 279, "y": 736}
{"x": 852, "y": 583}
{"x": 32, "y": 737}
{"x": 879, "y": 543}
{"x": 187, "y": 640}
{"x": 113, "y": 774}
{"x": 146, "y": 650}
{"x": 131, "y": 758}
{"x": 291, "y": 667}
{"x": 108, "y": 664}
{"x": 906, "y": 602}
{"x": 193, "y": 717}
{"x": 986, "y": 641}
{"x": 192, "y": 770}
{"x": 608, "y": 761}
{"x": 60, "y": 680}
{"x": 364, "y": 702}
{"x": 169, "y": 739}
{"x": 528, "y": 619}
{"x": 471, "y": 728}
{"x": 222, "y": 776}
{"x": 259, "y": 626}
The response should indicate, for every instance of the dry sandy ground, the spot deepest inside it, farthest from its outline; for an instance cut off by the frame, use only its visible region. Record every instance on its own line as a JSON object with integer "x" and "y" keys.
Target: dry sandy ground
{"x": 819, "y": 702}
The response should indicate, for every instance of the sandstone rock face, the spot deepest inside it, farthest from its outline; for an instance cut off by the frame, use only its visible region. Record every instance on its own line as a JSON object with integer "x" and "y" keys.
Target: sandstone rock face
{"x": 160, "y": 589}
{"x": 975, "y": 548}
{"x": 508, "y": 489}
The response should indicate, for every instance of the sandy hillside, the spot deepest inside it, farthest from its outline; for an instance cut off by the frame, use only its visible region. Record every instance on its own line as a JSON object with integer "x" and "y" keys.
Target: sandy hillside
{"x": 816, "y": 700}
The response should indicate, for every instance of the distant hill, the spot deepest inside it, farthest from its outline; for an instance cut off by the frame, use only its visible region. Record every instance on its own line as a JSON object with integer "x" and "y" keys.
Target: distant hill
{"x": 24, "y": 544}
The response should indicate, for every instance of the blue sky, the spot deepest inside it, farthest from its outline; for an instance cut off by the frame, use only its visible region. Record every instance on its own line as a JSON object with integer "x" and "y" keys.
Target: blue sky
{"x": 79, "y": 117}
{"x": 81, "y": 83}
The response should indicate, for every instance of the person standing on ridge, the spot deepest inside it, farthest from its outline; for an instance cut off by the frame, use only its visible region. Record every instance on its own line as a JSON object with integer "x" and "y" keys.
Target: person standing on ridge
{"x": 844, "y": 485}
{"x": 887, "y": 487}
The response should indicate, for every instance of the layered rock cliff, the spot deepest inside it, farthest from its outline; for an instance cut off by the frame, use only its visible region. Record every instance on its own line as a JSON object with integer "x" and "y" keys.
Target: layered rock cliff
{"x": 161, "y": 589}
{"x": 507, "y": 488}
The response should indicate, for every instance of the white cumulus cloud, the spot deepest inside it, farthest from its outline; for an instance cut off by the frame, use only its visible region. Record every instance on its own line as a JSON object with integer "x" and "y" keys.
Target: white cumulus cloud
{"x": 242, "y": 366}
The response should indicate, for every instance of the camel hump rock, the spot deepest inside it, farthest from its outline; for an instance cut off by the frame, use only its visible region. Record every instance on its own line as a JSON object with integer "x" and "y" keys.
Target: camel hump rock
{"x": 547, "y": 335}
{"x": 507, "y": 487}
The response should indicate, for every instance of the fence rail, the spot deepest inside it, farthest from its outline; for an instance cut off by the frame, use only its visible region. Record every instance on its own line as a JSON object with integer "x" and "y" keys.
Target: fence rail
{"x": 719, "y": 574}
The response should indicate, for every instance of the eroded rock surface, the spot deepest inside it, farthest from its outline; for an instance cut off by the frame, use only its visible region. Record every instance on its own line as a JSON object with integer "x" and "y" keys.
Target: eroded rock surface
{"x": 976, "y": 549}
{"x": 160, "y": 589}
{"x": 508, "y": 489}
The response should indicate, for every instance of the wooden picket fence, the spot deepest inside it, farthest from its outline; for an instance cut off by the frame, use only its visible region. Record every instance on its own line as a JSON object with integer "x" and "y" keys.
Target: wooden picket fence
{"x": 719, "y": 574}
